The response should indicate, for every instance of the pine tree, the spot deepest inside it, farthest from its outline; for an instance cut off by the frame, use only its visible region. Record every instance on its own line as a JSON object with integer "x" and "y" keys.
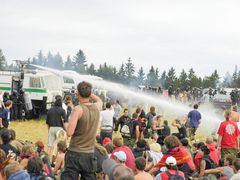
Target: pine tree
{"x": 122, "y": 74}
{"x": 2, "y": 61}
{"x": 80, "y": 62}
{"x": 68, "y": 65}
{"x": 129, "y": 71}
{"x": 235, "y": 77}
{"x": 183, "y": 80}
{"x": 152, "y": 79}
{"x": 193, "y": 80}
{"x": 140, "y": 76}
{"x": 171, "y": 77}
{"x": 41, "y": 59}
{"x": 91, "y": 69}
{"x": 58, "y": 61}
{"x": 163, "y": 79}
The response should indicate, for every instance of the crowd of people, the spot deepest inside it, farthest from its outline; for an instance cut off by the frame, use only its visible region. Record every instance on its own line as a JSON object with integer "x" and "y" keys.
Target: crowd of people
{"x": 86, "y": 142}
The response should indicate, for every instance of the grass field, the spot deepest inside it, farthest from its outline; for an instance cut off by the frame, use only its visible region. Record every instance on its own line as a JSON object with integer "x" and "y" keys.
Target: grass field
{"x": 32, "y": 130}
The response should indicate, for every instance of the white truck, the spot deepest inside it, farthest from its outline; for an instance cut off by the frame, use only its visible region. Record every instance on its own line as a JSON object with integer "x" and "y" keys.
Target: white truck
{"x": 40, "y": 87}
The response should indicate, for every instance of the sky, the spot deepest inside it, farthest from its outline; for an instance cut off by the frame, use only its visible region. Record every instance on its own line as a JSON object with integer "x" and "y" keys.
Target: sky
{"x": 204, "y": 35}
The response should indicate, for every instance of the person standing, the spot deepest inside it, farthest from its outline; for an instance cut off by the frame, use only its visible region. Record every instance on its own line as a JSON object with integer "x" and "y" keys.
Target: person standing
{"x": 55, "y": 117}
{"x": 194, "y": 118}
{"x": 82, "y": 126}
{"x": 106, "y": 119}
{"x": 149, "y": 117}
{"x": 117, "y": 110}
{"x": 228, "y": 136}
{"x": 5, "y": 115}
{"x": 122, "y": 120}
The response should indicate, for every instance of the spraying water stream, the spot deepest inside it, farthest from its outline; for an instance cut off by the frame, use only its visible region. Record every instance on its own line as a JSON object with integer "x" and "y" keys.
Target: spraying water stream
{"x": 209, "y": 121}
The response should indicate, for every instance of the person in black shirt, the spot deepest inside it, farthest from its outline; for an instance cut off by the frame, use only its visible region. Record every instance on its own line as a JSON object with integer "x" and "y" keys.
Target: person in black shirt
{"x": 164, "y": 132}
{"x": 180, "y": 124}
{"x": 122, "y": 120}
{"x": 56, "y": 117}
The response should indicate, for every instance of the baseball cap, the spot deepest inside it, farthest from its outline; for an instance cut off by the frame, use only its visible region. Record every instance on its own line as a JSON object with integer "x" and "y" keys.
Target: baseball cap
{"x": 120, "y": 155}
{"x": 171, "y": 161}
{"x": 106, "y": 140}
{"x": 107, "y": 166}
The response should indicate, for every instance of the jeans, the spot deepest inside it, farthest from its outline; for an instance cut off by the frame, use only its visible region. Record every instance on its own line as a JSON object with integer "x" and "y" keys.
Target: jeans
{"x": 106, "y": 133}
{"x": 83, "y": 164}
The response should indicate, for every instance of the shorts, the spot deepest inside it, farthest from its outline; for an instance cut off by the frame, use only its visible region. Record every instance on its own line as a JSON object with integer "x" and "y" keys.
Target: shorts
{"x": 52, "y": 134}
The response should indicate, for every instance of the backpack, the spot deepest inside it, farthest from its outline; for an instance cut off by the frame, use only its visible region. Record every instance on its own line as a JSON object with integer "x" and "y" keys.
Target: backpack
{"x": 174, "y": 176}
{"x": 212, "y": 165}
{"x": 127, "y": 129}
{"x": 210, "y": 162}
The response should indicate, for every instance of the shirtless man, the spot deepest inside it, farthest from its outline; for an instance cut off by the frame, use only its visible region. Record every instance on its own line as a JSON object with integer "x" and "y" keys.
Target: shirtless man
{"x": 235, "y": 115}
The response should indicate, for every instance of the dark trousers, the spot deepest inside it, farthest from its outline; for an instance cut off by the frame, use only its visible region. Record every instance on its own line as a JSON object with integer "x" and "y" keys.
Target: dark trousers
{"x": 83, "y": 164}
{"x": 106, "y": 133}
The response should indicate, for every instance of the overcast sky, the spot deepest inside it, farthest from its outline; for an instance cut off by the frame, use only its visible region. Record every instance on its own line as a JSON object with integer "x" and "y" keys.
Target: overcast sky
{"x": 202, "y": 34}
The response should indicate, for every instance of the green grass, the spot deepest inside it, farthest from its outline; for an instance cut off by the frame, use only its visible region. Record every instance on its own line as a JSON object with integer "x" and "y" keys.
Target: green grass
{"x": 31, "y": 130}
{"x": 34, "y": 130}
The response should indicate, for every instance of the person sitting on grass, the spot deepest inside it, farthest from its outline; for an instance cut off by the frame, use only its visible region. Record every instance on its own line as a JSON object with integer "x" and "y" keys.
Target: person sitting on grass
{"x": 61, "y": 135}
{"x": 119, "y": 146}
{"x": 14, "y": 171}
{"x": 120, "y": 157}
{"x": 6, "y": 146}
{"x": 236, "y": 166}
{"x": 140, "y": 164}
{"x": 171, "y": 170}
{"x": 35, "y": 169}
{"x": 62, "y": 148}
{"x": 207, "y": 164}
{"x": 142, "y": 146}
{"x": 27, "y": 153}
{"x": 180, "y": 153}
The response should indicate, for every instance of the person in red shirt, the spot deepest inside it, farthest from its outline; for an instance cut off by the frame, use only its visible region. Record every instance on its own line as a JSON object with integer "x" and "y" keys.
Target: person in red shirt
{"x": 183, "y": 157}
{"x": 228, "y": 135}
{"x": 119, "y": 146}
{"x": 214, "y": 154}
{"x": 172, "y": 170}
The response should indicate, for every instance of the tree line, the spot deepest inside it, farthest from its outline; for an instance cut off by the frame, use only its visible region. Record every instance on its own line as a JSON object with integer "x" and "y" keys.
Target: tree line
{"x": 128, "y": 74}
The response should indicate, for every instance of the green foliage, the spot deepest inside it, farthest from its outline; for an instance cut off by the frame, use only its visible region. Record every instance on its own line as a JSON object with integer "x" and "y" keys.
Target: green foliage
{"x": 129, "y": 71}
{"x": 171, "y": 77}
{"x": 91, "y": 69}
{"x": 211, "y": 81}
{"x": 141, "y": 77}
{"x": 125, "y": 74}
{"x": 152, "y": 78}
{"x": 80, "y": 62}
{"x": 68, "y": 65}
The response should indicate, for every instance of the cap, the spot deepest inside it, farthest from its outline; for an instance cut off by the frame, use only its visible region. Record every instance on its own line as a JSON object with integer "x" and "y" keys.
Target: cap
{"x": 107, "y": 166}
{"x": 106, "y": 140}
{"x": 120, "y": 155}
{"x": 171, "y": 161}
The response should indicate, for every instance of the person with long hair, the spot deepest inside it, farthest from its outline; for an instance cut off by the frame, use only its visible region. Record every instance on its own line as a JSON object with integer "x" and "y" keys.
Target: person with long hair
{"x": 228, "y": 135}
{"x": 180, "y": 153}
{"x": 56, "y": 117}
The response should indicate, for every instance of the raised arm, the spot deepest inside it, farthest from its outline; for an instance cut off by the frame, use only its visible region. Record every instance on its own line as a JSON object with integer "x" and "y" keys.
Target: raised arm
{"x": 73, "y": 119}
{"x": 97, "y": 101}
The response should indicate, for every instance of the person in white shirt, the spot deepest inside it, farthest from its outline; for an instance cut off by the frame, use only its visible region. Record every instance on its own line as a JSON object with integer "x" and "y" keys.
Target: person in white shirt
{"x": 106, "y": 120}
{"x": 236, "y": 167}
{"x": 117, "y": 110}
